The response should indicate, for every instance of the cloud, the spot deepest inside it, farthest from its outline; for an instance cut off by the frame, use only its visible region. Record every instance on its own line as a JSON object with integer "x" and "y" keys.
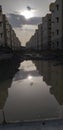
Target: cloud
{"x": 17, "y": 20}
{"x": 34, "y": 21}
{"x": 29, "y": 27}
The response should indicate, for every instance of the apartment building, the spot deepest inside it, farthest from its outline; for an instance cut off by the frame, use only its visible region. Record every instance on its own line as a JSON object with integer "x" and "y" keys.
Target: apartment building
{"x": 36, "y": 40}
{"x": 11, "y": 35}
{"x": 7, "y": 32}
{"x": 56, "y": 9}
{"x": 32, "y": 42}
{"x": 29, "y": 44}
{"x": 46, "y": 35}
{"x": 17, "y": 43}
{"x": 40, "y": 36}
{"x": 1, "y": 29}
{"x": 13, "y": 39}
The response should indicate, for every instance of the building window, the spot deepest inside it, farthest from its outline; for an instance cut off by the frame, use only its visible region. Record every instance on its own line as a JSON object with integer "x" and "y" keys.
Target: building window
{"x": 49, "y": 44}
{"x": 57, "y": 7}
{"x": 53, "y": 44}
{"x": 1, "y": 34}
{"x": 0, "y": 10}
{"x": 49, "y": 28}
{"x": 49, "y": 36}
{"x": 57, "y": 43}
{"x": 49, "y": 20}
{"x": 0, "y": 24}
{"x": 57, "y": 31}
{"x": 57, "y": 19}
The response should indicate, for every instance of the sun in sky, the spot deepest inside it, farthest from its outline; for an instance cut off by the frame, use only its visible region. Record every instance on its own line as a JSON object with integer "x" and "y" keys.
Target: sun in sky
{"x": 28, "y": 13}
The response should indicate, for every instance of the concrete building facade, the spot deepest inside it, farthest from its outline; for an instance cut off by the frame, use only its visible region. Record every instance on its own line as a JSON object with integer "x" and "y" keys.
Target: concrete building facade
{"x": 33, "y": 42}
{"x": 56, "y": 9}
{"x": 40, "y": 34}
{"x": 46, "y": 26}
{"x": 30, "y": 44}
{"x": 1, "y": 29}
{"x": 36, "y": 40}
{"x": 7, "y": 34}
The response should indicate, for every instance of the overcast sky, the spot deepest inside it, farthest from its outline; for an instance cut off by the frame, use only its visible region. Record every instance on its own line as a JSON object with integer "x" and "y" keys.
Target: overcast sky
{"x": 24, "y": 27}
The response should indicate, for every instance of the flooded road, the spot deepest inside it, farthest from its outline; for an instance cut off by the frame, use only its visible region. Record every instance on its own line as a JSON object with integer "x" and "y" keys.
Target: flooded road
{"x": 34, "y": 91}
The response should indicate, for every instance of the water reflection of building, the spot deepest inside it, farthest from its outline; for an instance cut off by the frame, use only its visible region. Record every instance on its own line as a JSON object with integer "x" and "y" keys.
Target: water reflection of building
{"x": 53, "y": 76}
{"x": 7, "y": 72}
{"x": 57, "y": 86}
{"x": 4, "y": 92}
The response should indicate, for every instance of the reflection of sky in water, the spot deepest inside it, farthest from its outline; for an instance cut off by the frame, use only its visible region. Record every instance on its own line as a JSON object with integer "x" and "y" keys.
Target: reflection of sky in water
{"x": 26, "y": 69}
{"x": 29, "y": 96}
{"x": 27, "y": 66}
